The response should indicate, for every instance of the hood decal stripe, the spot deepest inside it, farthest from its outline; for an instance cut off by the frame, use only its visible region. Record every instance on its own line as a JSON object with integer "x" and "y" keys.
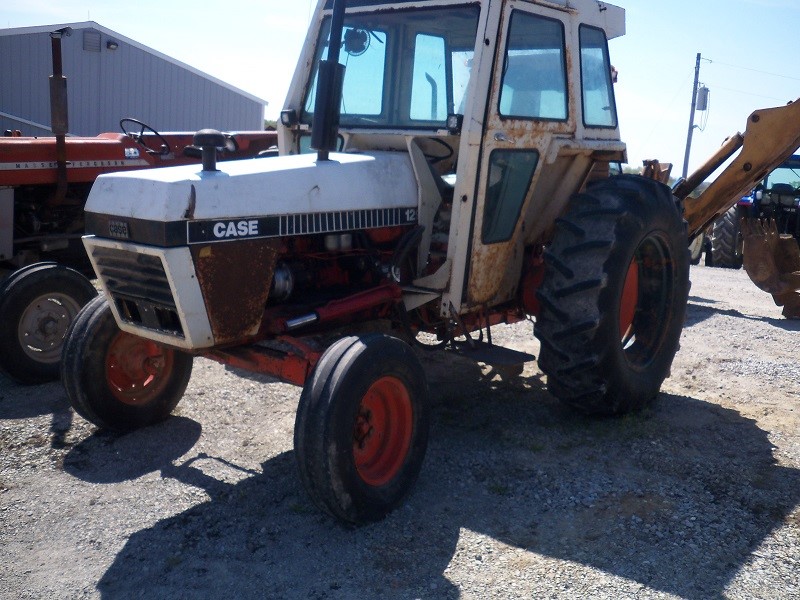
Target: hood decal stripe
{"x": 204, "y": 231}
{"x": 222, "y": 230}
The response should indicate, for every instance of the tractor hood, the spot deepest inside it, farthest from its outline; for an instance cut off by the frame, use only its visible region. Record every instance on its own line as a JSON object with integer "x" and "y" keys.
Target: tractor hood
{"x": 164, "y": 206}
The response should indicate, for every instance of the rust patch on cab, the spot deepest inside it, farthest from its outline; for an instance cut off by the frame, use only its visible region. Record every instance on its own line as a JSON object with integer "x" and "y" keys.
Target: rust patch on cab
{"x": 235, "y": 279}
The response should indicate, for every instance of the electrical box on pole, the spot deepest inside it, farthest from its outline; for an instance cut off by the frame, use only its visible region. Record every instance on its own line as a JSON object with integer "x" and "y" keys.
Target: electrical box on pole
{"x": 702, "y": 98}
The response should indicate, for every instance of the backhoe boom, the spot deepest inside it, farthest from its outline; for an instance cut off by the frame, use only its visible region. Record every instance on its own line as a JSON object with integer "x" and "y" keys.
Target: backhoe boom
{"x": 771, "y": 136}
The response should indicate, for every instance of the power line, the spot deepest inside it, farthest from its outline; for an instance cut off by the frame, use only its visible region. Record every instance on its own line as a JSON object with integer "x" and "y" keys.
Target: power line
{"x": 753, "y": 70}
{"x": 750, "y": 94}
{"x": 680, "y": 89}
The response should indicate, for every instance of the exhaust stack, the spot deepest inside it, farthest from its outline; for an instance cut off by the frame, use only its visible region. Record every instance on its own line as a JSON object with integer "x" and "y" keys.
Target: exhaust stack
{"x": 330, "y": 77}
{"x": 59, "y": 114}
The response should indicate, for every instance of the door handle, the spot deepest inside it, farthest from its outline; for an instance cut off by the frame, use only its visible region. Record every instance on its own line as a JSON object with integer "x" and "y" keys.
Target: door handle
{"x": 502, "y": 137}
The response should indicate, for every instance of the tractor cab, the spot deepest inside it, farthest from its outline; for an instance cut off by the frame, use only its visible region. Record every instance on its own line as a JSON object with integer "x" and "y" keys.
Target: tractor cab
{"x": 490, "y": 108}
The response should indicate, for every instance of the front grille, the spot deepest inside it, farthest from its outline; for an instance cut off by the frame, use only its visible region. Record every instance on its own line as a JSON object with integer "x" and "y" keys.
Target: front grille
{"x": 139, "y": 287}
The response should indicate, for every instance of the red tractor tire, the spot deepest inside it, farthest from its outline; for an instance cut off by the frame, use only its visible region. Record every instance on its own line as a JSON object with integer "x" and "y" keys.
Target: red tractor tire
{"x": 116, "y": 380}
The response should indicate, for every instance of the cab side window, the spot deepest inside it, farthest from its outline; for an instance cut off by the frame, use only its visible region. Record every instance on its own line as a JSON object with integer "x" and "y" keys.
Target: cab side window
{"x": 429, "y": 83}
{"x": 534, "y": 72}
{"x": 599, "y": 109}
{"x": 510, "y": 176}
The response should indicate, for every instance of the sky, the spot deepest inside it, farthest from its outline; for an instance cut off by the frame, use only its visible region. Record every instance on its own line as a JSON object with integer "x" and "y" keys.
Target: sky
{"x": 748, "y": 50}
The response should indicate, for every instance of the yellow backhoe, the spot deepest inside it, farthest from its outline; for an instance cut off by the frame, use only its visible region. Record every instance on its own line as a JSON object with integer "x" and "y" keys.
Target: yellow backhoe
{"x": 771, "y": 260}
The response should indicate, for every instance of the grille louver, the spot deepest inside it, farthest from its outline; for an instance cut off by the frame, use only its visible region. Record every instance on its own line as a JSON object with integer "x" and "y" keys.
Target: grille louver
{"x": 139, "y": 287}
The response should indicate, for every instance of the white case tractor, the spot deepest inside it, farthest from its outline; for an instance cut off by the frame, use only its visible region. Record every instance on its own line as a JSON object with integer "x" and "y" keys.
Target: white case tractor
{"x": 446, "y": 166}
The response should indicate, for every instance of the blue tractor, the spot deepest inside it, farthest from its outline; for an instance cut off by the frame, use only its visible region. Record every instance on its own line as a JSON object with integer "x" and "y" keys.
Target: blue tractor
{"x": 776, "y": 198}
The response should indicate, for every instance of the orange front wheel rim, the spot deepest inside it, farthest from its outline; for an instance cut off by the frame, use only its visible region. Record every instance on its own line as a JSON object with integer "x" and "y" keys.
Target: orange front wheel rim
{"x": 137, "y": 370}
{"x": 382, "y": 431}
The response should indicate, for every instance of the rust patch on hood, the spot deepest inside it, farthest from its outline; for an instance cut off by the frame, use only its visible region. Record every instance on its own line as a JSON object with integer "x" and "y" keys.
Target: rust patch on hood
{"x": 235, "y": 279}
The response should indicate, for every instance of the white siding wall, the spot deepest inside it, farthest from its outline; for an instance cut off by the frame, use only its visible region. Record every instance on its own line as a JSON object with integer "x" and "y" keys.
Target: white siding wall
{"x": 105, "y": 86}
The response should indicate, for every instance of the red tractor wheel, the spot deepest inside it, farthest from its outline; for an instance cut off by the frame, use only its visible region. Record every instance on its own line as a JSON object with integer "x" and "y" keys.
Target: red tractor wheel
{"x": 37, "y": 305}
{"x": 116, "y": 380}
{"x": 362, "y": 427}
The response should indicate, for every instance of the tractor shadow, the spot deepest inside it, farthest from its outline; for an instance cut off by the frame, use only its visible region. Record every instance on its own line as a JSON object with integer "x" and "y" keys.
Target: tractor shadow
{"x": 19, "y": 402}
{"x": 700, "y": 309}
{"x": 675, "y": 498}
{"x": 97, "y": 458}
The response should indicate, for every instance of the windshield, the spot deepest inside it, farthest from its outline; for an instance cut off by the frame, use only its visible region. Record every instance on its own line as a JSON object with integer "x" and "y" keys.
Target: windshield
{"x": 785, "y": 174}
{"x": 407, "y": 68}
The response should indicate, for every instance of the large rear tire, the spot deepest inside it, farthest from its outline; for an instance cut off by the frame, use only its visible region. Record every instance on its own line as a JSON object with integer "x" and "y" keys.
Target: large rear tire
{"x": 362, "y": 427}
{"x": 116, "y": 380}
{"x": 726, "y": 241}
{"x": 37, "y": 305}
{"x": 614, "y": 296}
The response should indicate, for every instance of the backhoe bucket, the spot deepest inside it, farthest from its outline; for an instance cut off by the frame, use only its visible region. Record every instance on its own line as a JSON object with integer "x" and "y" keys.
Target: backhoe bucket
{"x": 772, "y": 261}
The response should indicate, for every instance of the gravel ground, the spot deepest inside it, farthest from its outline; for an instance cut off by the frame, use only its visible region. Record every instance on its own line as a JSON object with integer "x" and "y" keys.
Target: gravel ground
{"x": 695, "y": 497}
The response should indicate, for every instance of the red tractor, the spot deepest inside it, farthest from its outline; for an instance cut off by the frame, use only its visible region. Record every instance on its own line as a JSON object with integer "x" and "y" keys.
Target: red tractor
{"x": 44, "y": 183}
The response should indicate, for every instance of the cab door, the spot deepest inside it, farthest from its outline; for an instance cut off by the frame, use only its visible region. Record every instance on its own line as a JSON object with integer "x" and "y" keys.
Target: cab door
{"x": 528, "y": 105}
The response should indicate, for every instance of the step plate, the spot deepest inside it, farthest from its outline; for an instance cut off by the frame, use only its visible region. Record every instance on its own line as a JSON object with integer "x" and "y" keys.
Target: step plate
{"x": 491, "y": 355}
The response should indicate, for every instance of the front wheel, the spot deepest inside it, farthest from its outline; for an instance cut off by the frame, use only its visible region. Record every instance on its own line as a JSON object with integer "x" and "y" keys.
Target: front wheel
{"x": 362, "y": 427}
{"x": 614, "y": 296}
{"x": 116, "y": 380}
{"x": 37, "y": 305}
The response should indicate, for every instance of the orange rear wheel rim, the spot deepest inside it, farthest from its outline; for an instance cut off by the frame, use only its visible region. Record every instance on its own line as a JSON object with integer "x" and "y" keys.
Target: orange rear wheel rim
{"x": 629, "y": 301}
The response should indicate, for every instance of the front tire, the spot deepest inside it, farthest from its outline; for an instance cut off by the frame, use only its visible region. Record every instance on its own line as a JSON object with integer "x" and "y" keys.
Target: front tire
{"x": 37, "y": 306}
{"x": 614, "y": 296}
{"x": 116, "y": 380}
{"x": 362, "y": 427}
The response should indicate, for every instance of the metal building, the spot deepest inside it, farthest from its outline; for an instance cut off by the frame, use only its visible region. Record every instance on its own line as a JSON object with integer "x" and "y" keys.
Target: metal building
{"x": 110, "y": 77}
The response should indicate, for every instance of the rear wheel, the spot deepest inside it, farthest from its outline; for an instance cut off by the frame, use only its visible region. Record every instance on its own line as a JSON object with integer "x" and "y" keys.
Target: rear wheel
{"x": 362, "y": 427}
{"x": 726, "y": 241}
{"x": 116, "y": 380}
{"x": 614, "y": 296}
{"x": 37, "y": 306}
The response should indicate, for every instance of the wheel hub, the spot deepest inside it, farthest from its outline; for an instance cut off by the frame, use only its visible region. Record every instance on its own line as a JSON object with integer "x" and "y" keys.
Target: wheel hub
{"x": 44, "y": 324}
{"x": 49, "y": 326}
{"x": 363, "y": 429}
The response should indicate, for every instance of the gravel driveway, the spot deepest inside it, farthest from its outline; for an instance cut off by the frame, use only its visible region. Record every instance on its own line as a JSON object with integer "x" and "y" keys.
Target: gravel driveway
{"x": 695, "y": 497}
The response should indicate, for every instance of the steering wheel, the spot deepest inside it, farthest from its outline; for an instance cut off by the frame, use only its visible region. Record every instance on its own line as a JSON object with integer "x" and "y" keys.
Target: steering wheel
{"x": 139, "y": 137}
{"x": 432, "y": 159}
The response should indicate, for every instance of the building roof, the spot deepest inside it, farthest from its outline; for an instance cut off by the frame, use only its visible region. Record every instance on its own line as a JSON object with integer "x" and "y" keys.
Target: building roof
{"x": 105, "y": 30}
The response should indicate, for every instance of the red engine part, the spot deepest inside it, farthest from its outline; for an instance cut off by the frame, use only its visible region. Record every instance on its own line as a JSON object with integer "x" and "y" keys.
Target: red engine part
{"x": 382, "y": 296}
{"x": 532, "y": 280}
{"x": 295, "y": 360}
{"x": 292, "y": 365}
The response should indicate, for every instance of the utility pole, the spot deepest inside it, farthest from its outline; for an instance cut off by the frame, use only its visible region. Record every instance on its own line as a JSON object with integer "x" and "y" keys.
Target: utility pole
{"x": 691, "y": 117}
